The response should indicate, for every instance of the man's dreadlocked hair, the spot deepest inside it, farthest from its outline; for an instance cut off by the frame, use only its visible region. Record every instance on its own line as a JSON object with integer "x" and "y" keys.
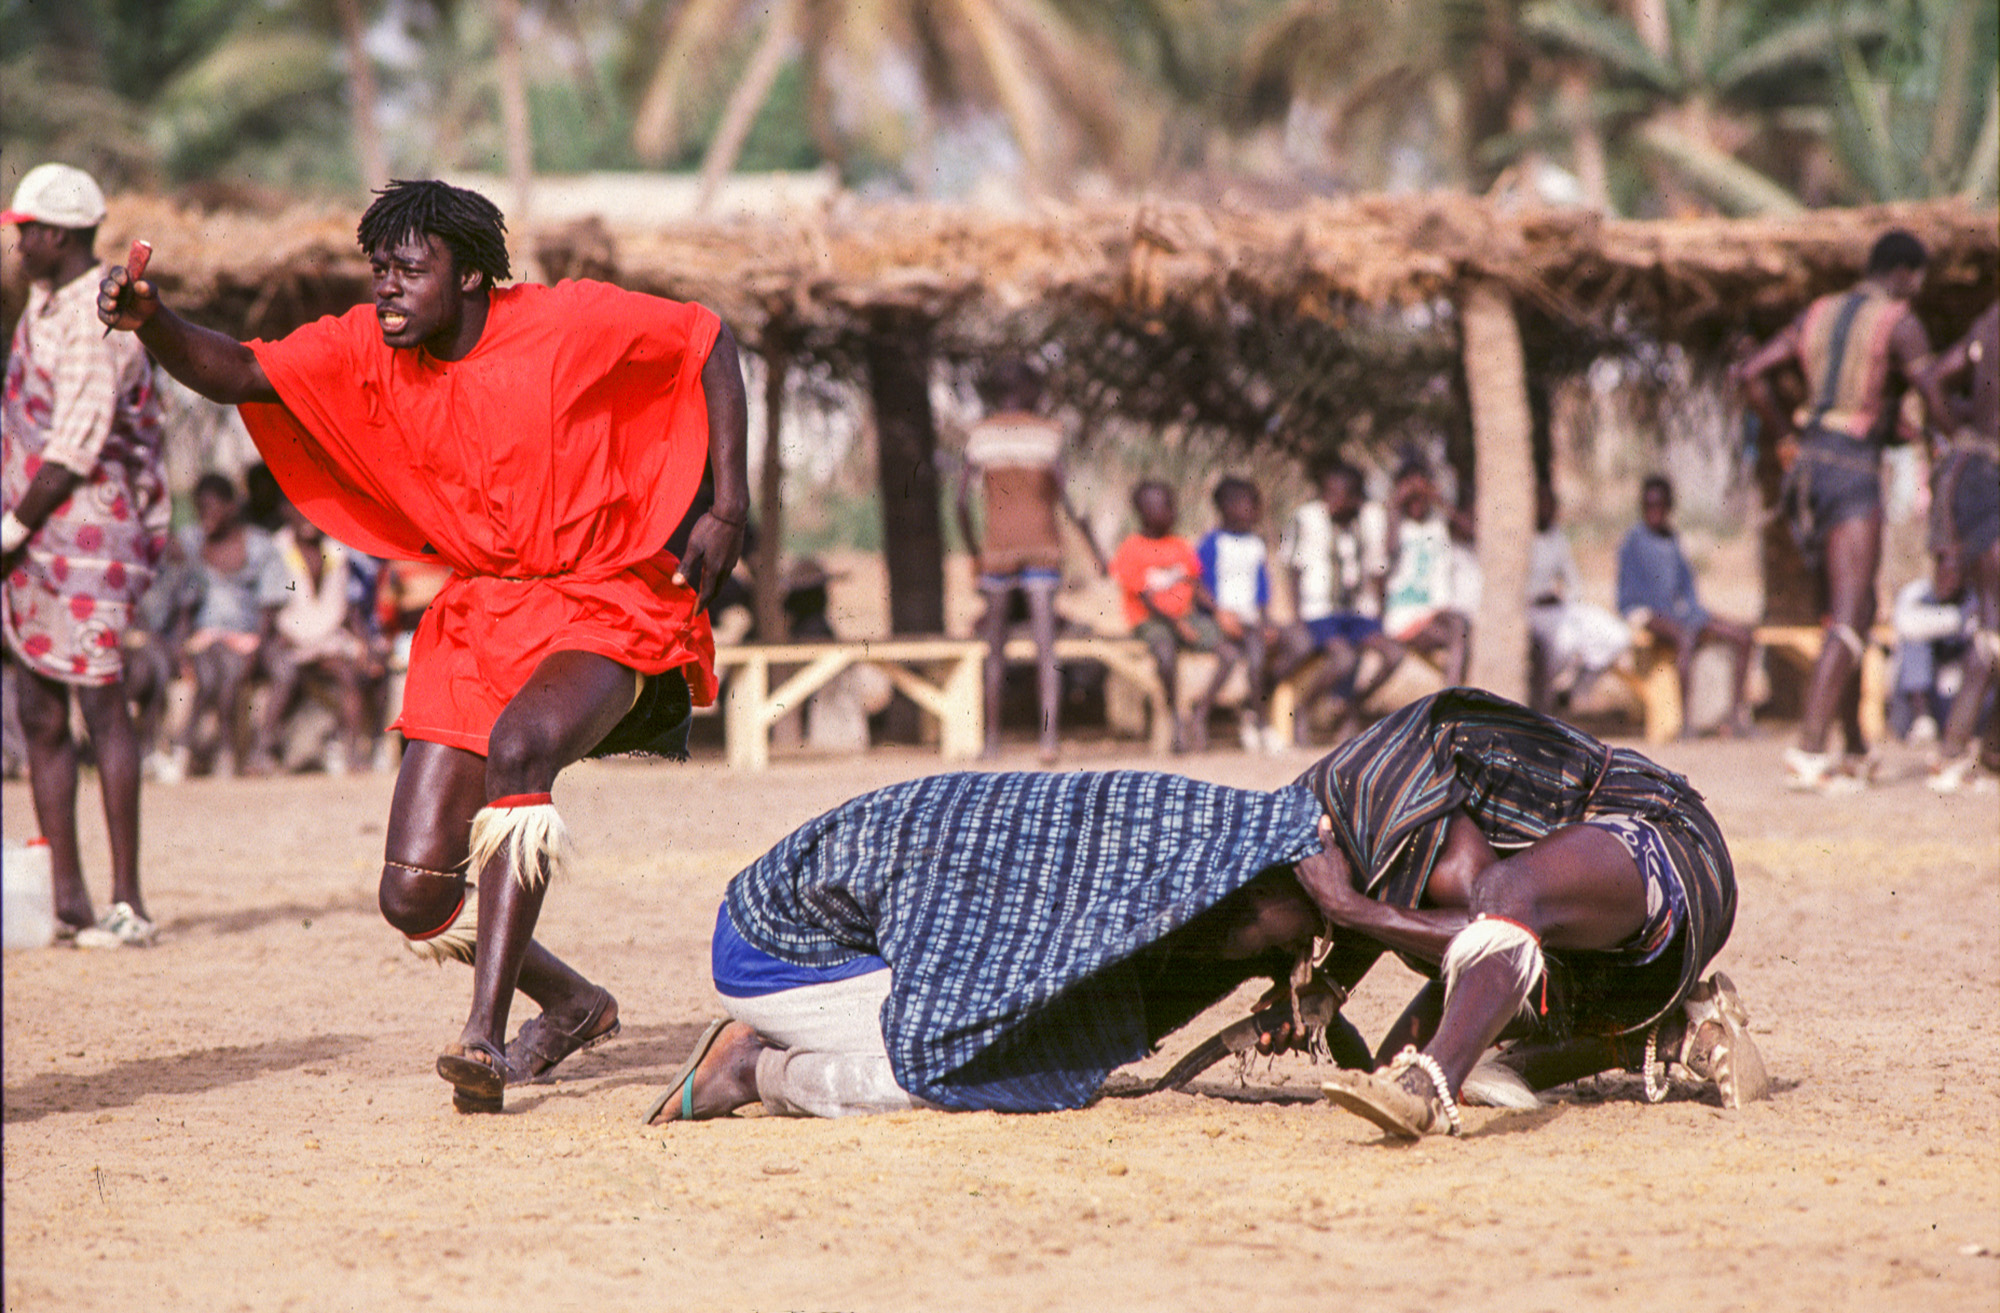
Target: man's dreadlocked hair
{"x": 466, "y": 222}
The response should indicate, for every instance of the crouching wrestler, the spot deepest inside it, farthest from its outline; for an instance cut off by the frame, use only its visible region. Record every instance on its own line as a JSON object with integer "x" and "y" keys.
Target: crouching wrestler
{"x": 999, "y": 941}
{"x": 1565, "y": 896}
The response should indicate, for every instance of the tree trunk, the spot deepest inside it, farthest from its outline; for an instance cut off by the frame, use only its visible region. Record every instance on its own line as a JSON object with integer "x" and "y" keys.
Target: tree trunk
{"x": 899, "y": 381}
{"x": 362, "y": 97}
{"x": 769, "y": 558}
{"x": 749, "y": 96}
{"x": 1586, "y": 142}
{"x": 514, "y": 110}
{"x": 1502, "y": 435}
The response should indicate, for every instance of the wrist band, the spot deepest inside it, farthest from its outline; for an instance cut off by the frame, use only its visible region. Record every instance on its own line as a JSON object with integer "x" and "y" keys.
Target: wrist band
{"x": 12, "y": 532}
{"x": 714, "y": 514}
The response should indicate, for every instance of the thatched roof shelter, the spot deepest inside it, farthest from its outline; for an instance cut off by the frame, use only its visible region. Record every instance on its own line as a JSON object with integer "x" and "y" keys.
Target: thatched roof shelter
{"x": 828, "y": 275}
{"x": 1277, "y": 324}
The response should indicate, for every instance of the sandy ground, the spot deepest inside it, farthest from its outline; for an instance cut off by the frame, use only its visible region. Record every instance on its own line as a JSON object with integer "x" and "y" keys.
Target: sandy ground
{"x": 245, "y": 1117}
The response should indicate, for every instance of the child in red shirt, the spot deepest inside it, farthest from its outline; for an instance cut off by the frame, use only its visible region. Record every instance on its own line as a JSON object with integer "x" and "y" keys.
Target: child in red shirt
{"x": 1168, "y": 606}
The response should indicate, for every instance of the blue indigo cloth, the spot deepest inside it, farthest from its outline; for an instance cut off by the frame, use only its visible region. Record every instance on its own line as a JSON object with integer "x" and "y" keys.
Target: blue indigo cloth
{"x": 1010, "y": 908}
{"x": 1392, "y": 789}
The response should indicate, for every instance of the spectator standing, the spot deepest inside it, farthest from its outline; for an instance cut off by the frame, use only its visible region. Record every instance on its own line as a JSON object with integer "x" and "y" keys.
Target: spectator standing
{"x": 84, "y": 527}
{"x": 1015, "y": 455}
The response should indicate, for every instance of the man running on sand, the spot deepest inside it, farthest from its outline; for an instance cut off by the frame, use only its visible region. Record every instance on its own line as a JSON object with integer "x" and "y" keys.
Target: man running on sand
{"x": 543, "y": 442}
{"x": 1004, "y": 941}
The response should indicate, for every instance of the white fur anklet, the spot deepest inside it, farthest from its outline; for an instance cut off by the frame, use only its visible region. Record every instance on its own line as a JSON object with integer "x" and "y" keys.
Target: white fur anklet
{"x": 455, "y": 940}
{"x": 1494, "y": 937}
{"x": 528, "y": 829}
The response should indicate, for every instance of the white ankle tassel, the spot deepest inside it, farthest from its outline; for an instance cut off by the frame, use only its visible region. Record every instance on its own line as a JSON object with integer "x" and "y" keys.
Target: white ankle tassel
{"x": 1493, "y": 936}
{"x": 531, "y": 832}
{"x": 456, "y": 941}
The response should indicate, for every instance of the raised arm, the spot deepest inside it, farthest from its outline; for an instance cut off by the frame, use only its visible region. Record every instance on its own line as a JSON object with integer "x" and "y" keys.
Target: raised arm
{"x": 1752, "y": 376}
{"x": 214, "y": 364}
{"x": 717, "y": 537}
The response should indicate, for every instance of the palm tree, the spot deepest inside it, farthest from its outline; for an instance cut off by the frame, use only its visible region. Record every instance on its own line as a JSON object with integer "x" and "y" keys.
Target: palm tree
{"x": 1688, "y": 85}
{"x": 884, "y": 78}
{"x": 1393, "y": 93}
{"x": 1923, "y": 118}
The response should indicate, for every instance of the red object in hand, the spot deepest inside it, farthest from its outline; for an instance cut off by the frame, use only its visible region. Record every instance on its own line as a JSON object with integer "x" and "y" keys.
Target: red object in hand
{"x": 135, "y": 267}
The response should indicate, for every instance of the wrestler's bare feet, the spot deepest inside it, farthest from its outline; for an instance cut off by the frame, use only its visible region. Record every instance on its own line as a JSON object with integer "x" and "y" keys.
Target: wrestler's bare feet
{"x": 721, "y": 1076}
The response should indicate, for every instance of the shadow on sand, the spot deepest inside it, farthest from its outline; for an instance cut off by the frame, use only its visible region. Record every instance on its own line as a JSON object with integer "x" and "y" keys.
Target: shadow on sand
{"x": 180, "y": 1073}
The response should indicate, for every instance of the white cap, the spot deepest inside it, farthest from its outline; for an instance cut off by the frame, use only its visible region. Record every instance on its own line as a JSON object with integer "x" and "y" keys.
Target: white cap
{"x": 59, "y": 195}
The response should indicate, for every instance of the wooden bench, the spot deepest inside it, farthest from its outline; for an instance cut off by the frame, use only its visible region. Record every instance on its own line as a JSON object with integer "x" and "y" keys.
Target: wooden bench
{"x": 952, "y": 697}
{"x": 1655, "y": 682}
{"x": 1129, "y": 663}
{"x": 1801, "y": 643}
{"x": 941, "y": 675}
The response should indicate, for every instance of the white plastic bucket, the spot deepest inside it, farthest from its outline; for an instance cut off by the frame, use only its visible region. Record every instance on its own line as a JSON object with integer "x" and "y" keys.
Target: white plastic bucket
{"x": 28, "y": 917}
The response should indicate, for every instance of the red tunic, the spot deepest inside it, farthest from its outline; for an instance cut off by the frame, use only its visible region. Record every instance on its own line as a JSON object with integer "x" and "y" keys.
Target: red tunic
{"x": 546, "y": 468}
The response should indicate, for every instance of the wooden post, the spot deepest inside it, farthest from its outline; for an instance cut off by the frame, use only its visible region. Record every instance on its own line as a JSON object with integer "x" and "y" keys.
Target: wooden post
{"x": 767, "y": 564}
{"x": 1503, "y": 447}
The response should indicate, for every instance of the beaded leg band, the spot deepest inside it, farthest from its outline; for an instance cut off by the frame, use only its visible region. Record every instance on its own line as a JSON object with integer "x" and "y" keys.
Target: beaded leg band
{"x": 527, "y": 828}
{"x": 1428, "y": 1065}
{"x": 455, "y": 939}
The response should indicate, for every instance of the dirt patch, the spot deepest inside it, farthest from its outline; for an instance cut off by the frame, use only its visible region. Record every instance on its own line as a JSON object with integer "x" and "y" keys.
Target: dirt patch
{"x": 245, "y": 1117}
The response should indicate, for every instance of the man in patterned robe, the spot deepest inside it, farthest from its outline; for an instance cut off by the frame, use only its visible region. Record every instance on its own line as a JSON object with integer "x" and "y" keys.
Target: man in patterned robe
{"x": 84, "y": 527}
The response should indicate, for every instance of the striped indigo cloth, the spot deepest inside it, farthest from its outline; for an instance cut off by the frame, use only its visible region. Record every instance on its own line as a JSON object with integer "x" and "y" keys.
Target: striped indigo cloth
{"x": 1010, "y": 908}
{"x": 1391, "y": 789}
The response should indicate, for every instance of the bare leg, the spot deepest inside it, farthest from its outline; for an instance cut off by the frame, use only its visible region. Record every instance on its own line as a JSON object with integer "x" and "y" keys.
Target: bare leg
{"x": 52, "y": 781}
{"x": 1579, "y": 889}
{"x": 567, "y": 707}
{"x": 1048, "y": 678}
{"x": 233, "y": 670}
{"x": 117, "y": 748}
{"x": 1166, "y": 659}
{"x": 1853, "y": 554}
{"x": 1226, "y": 657}
{"x": 439, "y": 790}
{"x": 1980, "y": 665}
{"x": 993, "y": 628}
{"x": 1388, "y": 654}
{"x": 1742, "y": 641}
{"x": 282, "y": 672}
{"x": 1339, "y": 664}
{"x": 1457, "y": 631}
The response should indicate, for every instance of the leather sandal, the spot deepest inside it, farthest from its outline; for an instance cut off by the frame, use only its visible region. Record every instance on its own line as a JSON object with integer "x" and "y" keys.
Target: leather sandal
{"x": 476, "y": 1086}
{"x": 542, "y": 1044}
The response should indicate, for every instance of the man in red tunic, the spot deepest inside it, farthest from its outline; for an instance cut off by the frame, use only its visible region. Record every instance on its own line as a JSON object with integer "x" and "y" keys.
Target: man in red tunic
{"x": 543, "y": 442}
